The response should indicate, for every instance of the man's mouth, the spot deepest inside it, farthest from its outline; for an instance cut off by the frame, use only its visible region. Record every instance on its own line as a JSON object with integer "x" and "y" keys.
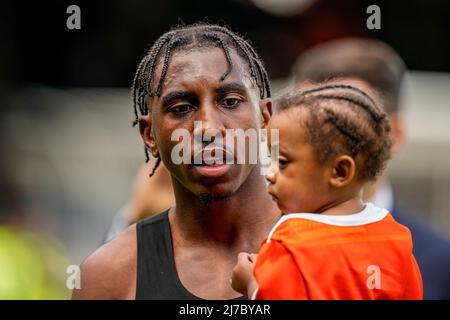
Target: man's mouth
{"x": 212, "y": 163}
{"x": 213, "y": 157}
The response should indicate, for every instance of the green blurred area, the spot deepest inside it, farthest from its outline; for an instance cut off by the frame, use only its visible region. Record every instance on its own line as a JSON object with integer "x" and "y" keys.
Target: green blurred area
{"x": 32, "y": 266}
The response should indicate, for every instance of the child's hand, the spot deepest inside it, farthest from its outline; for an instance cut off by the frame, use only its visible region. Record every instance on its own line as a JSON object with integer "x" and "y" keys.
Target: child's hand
{"x": 242, "y": 279}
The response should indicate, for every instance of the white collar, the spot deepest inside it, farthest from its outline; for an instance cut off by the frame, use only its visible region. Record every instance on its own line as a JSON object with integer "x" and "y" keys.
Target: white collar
{"x": 369, "y": 214}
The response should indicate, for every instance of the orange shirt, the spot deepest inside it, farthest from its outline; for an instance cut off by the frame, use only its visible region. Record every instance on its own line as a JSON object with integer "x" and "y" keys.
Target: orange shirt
{"x": 367, "y": 255}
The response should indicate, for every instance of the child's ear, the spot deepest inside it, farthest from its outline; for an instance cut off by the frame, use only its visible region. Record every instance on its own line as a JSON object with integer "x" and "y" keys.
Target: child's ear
{"x": 145, "y": 128}
{"x": 343, "y": 171}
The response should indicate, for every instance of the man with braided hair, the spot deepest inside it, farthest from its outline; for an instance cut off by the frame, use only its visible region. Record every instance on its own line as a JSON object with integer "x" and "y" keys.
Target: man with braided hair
{"x": 192, "y": 73}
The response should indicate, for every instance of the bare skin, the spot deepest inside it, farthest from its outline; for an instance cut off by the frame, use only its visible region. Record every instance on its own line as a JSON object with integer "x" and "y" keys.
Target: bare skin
{"x": 207, "y": 236}
{"x": 110, "y": 272}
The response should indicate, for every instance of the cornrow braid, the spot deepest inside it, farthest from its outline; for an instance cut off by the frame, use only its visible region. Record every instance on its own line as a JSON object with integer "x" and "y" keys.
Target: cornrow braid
{"x": 376, "y": 117}
{"x": 240, "y": 44}
{"x": 172, "y": 43}
{"x": 227, "y": 54}
{"x": 334, "y": 118}
{"x": 376, "y": 114}
{"x": 142, "y": 81}
{"x": 158, "y": 161}
{"x": 340, "y": 86}
{"x": 251, "y": 55}
{"x": 258, "y": 64}
{"x": 192, "y": 36}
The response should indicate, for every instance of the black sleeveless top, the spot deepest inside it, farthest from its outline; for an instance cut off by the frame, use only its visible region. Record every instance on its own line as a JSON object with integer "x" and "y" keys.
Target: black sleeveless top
{"x": 157, "y": 277}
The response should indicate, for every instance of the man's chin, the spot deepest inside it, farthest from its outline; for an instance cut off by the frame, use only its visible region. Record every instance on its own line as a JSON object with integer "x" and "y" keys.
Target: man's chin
{"x": 210, "y": 197}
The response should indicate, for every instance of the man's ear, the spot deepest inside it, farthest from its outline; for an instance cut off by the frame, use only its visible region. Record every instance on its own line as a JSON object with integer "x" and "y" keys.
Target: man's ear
{"x": 145, "y": 128}
{"x": 343, "y": 171}
{"x": 265, "y": 105}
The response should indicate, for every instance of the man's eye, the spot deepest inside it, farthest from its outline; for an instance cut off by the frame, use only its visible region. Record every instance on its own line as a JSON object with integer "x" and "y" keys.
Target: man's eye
{"x": 230, "y": 102}
{"x": 181, "y": 109}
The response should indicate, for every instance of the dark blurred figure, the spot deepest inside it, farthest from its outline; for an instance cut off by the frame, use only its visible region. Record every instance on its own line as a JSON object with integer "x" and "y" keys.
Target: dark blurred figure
{"x": 379, "y": 66}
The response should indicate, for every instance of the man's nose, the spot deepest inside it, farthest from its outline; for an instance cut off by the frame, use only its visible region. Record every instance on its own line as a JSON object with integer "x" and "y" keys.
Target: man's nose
{"x": 211, "y": 119}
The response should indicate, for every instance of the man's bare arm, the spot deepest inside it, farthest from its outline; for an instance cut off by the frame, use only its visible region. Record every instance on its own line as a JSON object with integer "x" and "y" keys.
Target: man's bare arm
{"x": 110, "y": 272}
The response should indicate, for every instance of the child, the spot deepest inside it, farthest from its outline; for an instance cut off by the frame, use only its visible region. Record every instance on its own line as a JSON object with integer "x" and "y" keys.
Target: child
{"x": 333, "y": 139}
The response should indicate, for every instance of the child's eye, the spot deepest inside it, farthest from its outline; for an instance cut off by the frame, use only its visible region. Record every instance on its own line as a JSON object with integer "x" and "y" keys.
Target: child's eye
{"x": 282, "y": 163}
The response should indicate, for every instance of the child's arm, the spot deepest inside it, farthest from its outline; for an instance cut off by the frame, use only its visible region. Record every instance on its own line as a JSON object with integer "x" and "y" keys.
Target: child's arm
{"x": 242, "y": 279}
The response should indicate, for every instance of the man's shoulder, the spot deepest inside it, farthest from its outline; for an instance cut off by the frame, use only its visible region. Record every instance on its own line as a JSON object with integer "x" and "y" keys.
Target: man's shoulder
{"x": 110, "y": 271}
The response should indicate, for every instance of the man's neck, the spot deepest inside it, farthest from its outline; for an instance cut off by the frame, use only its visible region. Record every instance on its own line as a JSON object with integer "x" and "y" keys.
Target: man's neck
{"x": 245, "y": 216}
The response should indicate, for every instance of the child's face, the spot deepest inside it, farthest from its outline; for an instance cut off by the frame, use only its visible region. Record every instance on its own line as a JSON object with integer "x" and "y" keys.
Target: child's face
{"x": 298, "y": 182}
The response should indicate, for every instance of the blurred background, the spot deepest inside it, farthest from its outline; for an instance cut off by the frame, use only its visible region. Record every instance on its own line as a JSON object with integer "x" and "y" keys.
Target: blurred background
{"x": 69, "y": 153}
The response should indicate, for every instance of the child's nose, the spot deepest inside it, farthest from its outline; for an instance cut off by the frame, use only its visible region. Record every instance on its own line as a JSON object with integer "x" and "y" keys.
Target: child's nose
{"x": 270, "y": 177}
{"x": 271, "y": 173}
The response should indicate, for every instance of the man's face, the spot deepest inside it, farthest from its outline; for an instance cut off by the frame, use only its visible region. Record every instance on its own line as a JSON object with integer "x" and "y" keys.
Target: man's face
{"x": 193, "y": 91}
